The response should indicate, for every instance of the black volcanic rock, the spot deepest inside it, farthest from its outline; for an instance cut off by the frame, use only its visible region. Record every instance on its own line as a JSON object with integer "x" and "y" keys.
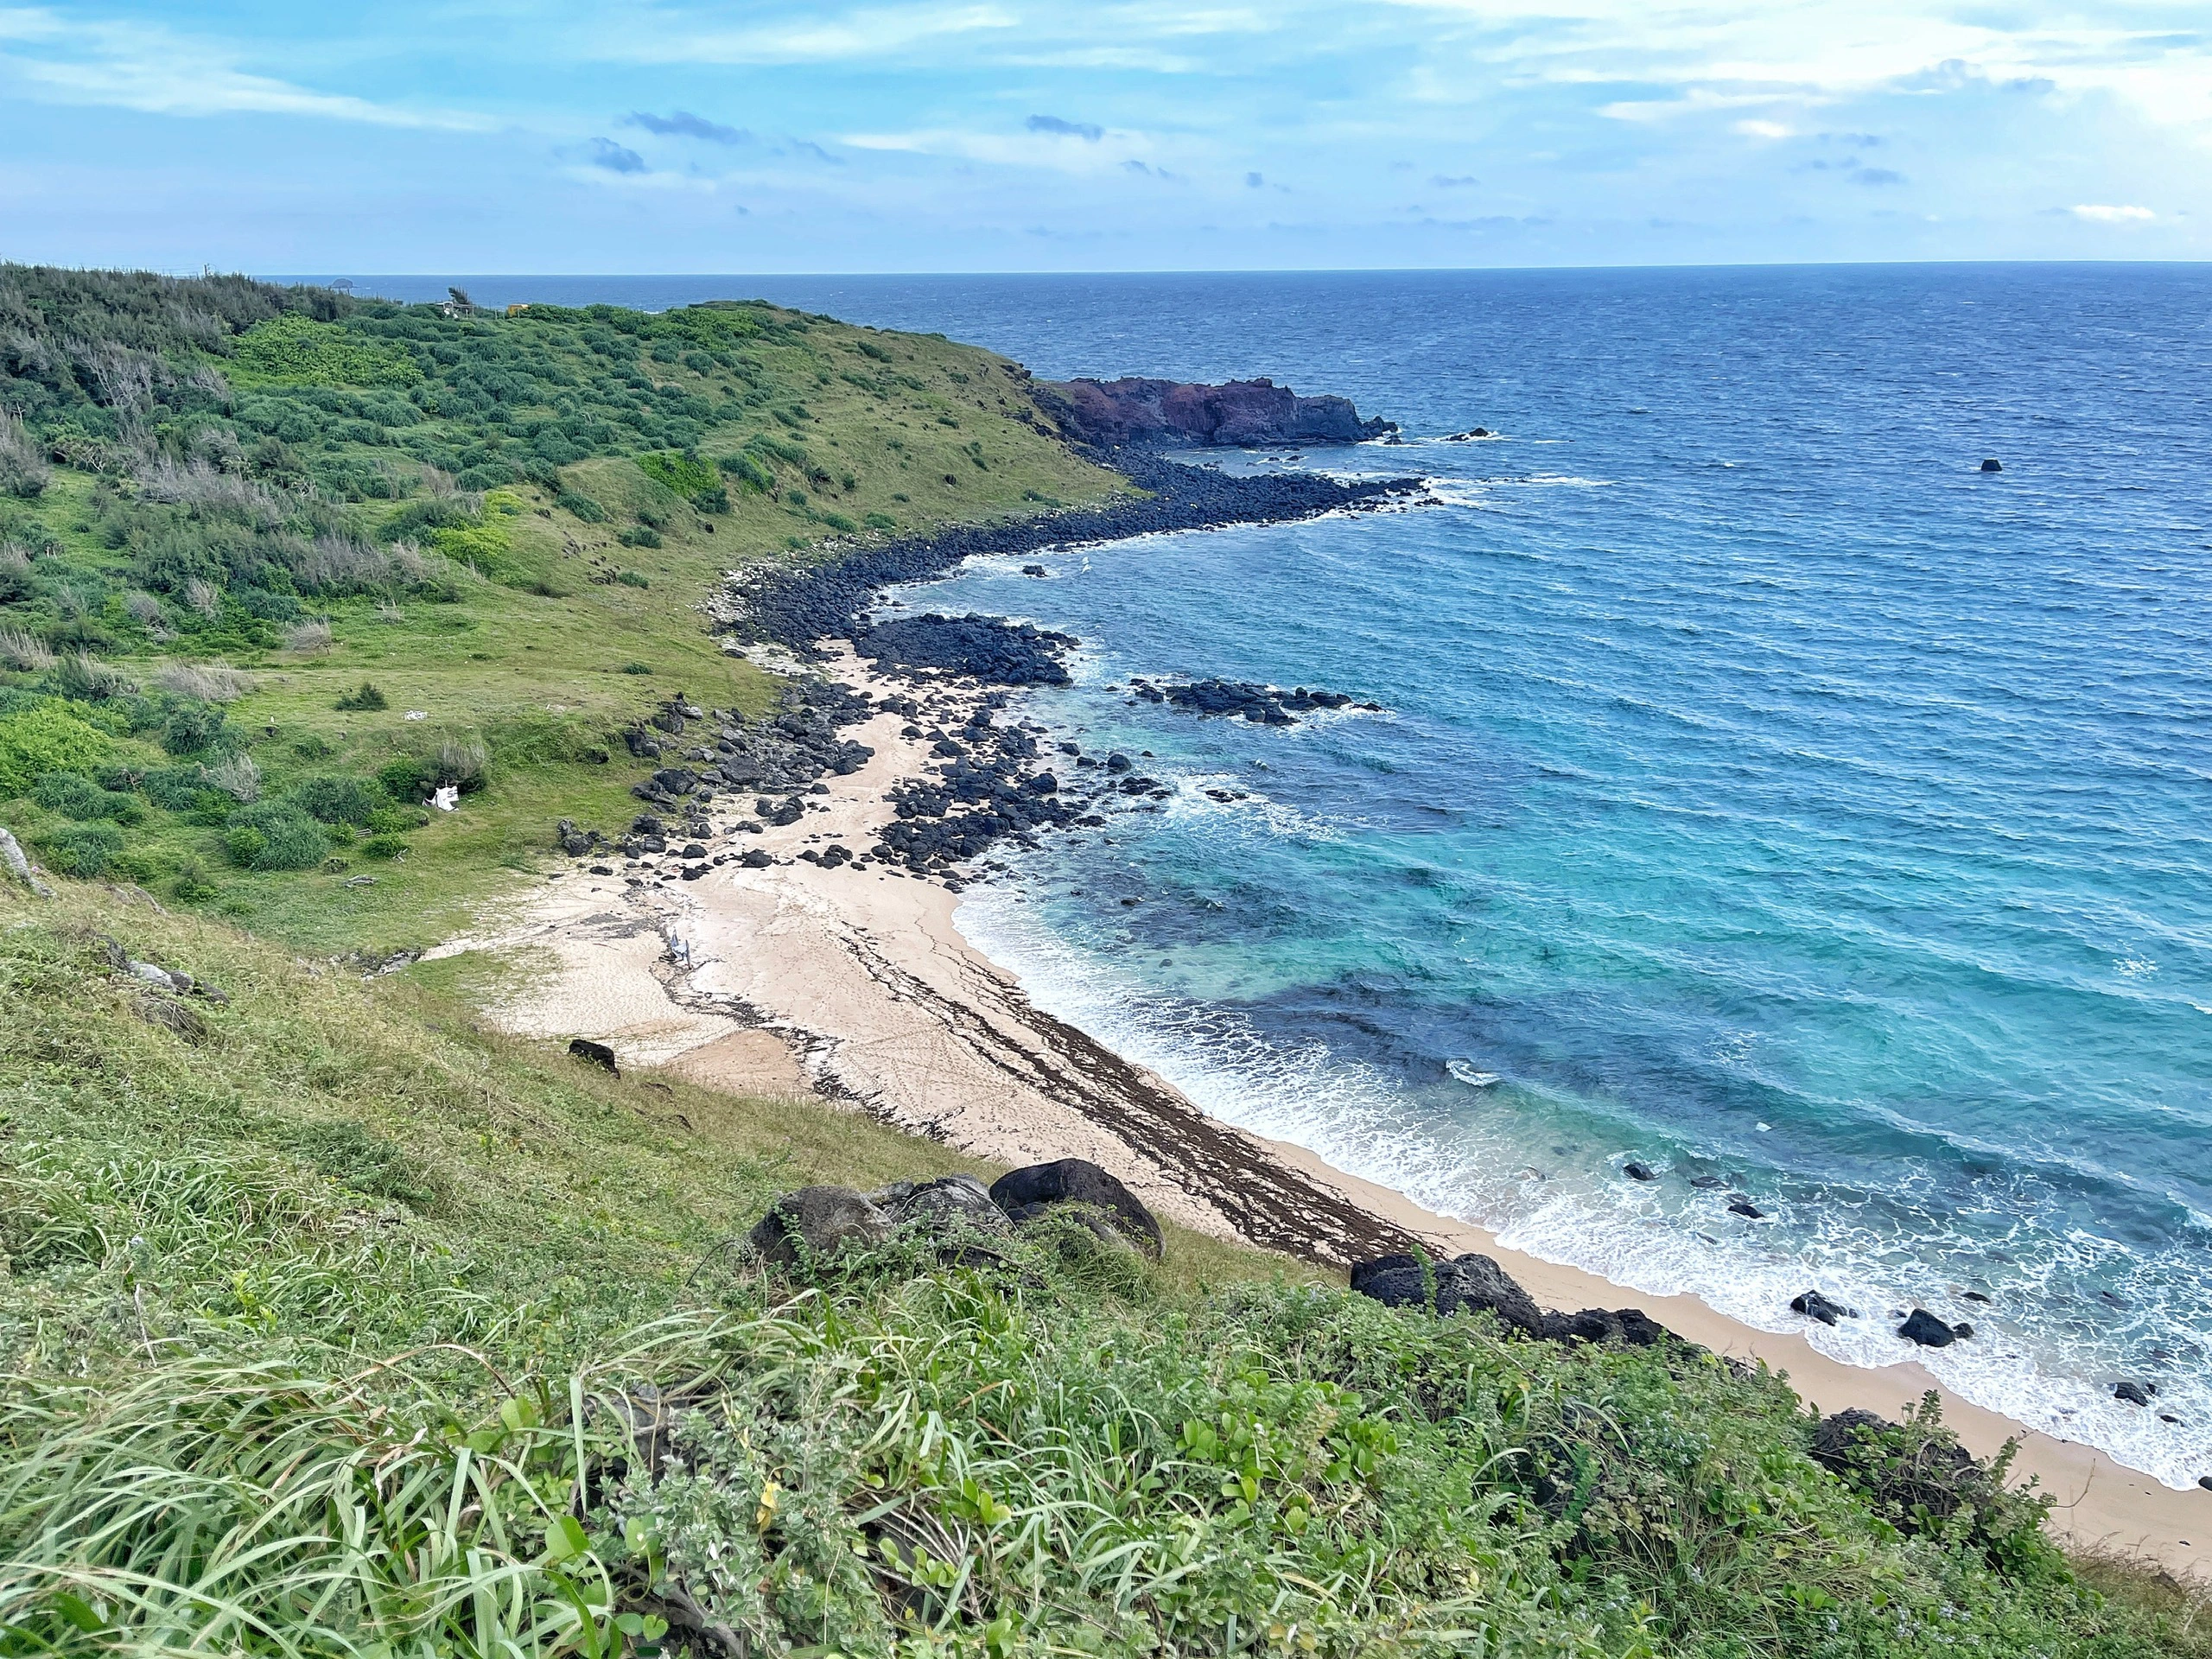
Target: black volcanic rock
{"x": 1241, "y": 413}
{"x": 988, "y": 648}
{"x": 1813, "y": 1305}
{"x": 1466, "y": 1284}
{"x": 1927, "y": 1330}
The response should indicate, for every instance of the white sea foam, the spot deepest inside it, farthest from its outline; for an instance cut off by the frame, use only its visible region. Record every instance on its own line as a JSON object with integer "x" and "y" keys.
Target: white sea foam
{"x": 1355, "y": 1118}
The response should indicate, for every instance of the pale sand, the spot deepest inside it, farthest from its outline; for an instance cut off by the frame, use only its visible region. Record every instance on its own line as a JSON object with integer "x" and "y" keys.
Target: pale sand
{"x": 854, "y": 984}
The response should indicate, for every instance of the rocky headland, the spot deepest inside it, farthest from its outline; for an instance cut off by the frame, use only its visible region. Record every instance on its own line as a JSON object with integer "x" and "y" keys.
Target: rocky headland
{"x": 1105, "y": 414}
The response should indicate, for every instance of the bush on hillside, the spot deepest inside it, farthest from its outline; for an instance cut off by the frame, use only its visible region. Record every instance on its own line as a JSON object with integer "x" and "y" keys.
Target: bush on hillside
{"x": 47, "y": 737}
{"x": 275, "y": 835}
{"x": 339, "y": 799}
{"x": 366, "y": 699}
{"x": 194, "y": 729}
{"x": 84, "y": 850}
{"x": 75, "y": 796}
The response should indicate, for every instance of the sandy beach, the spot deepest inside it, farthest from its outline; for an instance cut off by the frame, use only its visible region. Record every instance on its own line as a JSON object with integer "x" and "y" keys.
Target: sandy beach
{"x": 855, "y": 983}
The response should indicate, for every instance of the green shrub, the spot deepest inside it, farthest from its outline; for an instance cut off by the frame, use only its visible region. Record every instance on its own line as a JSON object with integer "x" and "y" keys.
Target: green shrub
{"x": 384, "y": 845}
{"x": 409, "y": 777}
{"x": 194, "y": 728}
{"x": 749, "y": 473}
{"x": 366, "y": 700}
{"x": 638, "y": 535}
{"x": 582, "y": 506}
{"x": 419, "y": 518}
{"x": 211, "y": 808}
{"x": 295, "y": 351}
{"x": 192, "y": 884}
{"x": 392, "y": 818}
{"x": 631, "y": 579}
{"x": 46, "y": 737}
{"x": 275, "y": 835}
{"x": 84, "y": 850}
{"x": 684, "y": 474}
{"x": 637, "y": 668}
{"x": 337, "y": 799}
{"x": 173, "y": 789}
{"x": 75, "y": 796}
{"x": 880, "y": 521}
{"x": 838, "y": 521}
{"x": 245, "y": 846}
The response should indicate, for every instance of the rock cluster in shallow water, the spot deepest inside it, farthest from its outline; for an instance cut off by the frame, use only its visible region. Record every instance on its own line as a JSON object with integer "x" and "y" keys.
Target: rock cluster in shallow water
{"x": 985, "y": 648}
{"x": 1263, "y": 705}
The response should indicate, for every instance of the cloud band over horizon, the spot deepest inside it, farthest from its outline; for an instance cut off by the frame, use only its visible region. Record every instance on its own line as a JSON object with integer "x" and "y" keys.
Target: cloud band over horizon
{"x": 661, "y": 135}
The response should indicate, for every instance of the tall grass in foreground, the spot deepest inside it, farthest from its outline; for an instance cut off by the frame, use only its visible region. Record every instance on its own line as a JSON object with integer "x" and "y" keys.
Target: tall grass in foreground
{"x": 332, "y": 1324}
{"x": 1045, "y": 1455}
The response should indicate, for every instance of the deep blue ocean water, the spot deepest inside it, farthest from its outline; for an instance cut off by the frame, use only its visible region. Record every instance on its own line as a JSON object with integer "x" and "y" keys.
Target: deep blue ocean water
{"x": 1763, "y": 791}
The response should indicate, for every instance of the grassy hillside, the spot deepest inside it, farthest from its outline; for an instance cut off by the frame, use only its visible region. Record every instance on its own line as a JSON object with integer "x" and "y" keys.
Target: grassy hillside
{"x": 504, "y": 524}
{"x": 331, "y": 1324}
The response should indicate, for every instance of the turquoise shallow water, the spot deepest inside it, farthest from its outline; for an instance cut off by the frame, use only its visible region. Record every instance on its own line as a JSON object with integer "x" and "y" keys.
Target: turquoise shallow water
{"x": 1764, "y": 791}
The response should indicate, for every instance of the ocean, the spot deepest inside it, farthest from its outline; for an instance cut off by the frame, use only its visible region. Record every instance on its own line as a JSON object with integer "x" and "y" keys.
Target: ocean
{"x": 1762, "y": 791}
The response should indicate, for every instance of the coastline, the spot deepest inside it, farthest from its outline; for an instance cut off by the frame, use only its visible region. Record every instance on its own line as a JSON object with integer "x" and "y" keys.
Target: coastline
{"x": 854, "y": 981}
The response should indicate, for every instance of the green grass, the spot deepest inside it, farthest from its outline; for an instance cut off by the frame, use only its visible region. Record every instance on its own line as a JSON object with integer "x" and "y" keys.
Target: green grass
{"x": 327, "y": 1316}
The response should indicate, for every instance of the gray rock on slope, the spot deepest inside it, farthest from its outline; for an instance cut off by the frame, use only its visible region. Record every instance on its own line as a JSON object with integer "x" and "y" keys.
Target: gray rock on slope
{"x": 817, "y": 1221}
{"x": 1027, "y": 1194}
{"x": 949, "y": 1198}
{"x": 1467, "y": 1284}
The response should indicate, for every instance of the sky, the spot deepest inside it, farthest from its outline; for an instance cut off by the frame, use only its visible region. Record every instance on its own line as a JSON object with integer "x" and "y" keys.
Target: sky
{"x": 632, "y": 135}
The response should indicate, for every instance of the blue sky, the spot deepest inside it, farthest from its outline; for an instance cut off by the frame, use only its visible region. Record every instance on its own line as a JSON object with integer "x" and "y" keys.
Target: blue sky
{"x": 1004, "y": 135}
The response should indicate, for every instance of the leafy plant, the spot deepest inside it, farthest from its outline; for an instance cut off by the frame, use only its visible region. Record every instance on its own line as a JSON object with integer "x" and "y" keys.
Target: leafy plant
{"x": 84, "y": 850}
{"x": 47, "y": 737}
{"x": 366, "y": 699}
{"x": 275, "y": 835}
{"x": 335, "y": 799}
{"x": 297, "y": 351}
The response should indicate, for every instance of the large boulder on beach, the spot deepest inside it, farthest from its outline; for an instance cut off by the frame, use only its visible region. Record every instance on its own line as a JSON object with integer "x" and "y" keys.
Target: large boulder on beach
{"x": 815, "y": 1222}
{"x": 1813, "y": 1305}
{"x": 1924, "y": 1328}
{"x": 1467, "y": 1284}
{"x": 1027, "y": 1194}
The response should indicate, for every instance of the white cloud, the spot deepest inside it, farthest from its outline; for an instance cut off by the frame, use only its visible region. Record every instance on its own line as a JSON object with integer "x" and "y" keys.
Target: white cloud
{"x": 2102, "y": 213}
{"x": 147, "y": 67}
{"x": 2158, "y": 61}
{"x": 1057, "y": 152}
{"x": 876, "y": 32}
{"x": 1764, "y": 130}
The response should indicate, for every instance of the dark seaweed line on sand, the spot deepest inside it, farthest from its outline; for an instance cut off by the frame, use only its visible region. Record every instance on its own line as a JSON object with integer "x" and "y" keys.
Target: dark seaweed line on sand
{"x": 796, "y": 608}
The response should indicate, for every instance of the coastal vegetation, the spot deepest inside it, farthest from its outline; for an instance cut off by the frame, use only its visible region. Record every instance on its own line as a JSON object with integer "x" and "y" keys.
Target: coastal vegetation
{"x": 255, "y": 537}
{"x": 333, "y": 1323}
